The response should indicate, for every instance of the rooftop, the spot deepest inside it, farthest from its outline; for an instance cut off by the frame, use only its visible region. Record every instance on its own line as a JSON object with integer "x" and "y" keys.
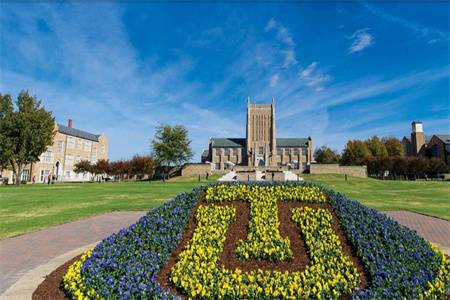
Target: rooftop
{"x": 78, "y": 133}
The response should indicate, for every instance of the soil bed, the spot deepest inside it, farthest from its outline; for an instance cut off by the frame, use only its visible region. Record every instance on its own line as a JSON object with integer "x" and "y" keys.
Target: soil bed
{"x": 238, "y": 230}
{"x": 51, "y": 287}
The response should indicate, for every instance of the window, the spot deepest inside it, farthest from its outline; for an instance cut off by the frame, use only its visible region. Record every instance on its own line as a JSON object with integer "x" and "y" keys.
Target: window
{"x": 46, "y": 157}
{"x": 78, "y": 159}
{"x": 94, "y": 152}
{"x": 279, "y": 151}
{"x": 102, "y": 149}
{"x": 227, "y": 151}
{"x": 79, "y": 143}
{"x": 44, "y": 175}
{"x": 67, "y": 174}
{"x": 87, "y": 145}
{"x": 286, "y": 151}
{"x": 60, "y": 148}
{"x": 296, "y": 151}
{"x": 69, "y": 160}
{"x": 25, "y": 175}
{"x": 234, "y": 151}
{"x": 70, "y": 142}
{"x": 261, "y": 150}
{"x": 217, "y": 166}
{"x": 304, "y": 151}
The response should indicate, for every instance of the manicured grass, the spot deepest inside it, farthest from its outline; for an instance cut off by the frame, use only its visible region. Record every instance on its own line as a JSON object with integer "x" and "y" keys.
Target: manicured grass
{"x": 30, "y": 207}
{"x": 426, "y": 197}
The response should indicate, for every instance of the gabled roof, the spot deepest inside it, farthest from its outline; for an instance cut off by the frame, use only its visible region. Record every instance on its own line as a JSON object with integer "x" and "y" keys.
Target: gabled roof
{"x": 292, "y": 142}
{"x": 227, "y": 142}
{"x": 444, "y": 137}
{"x": 78, "y": 133}
{"x": 427, "y": 138}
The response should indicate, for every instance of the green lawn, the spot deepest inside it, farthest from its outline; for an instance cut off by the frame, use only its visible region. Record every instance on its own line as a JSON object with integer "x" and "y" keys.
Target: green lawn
{"x": 30, "y": 207}
{"x": 426, "y": 197}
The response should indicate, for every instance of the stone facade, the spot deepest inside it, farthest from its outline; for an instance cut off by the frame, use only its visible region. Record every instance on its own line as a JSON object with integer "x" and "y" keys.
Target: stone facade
{"x": 69, "y": 147}
{"x": 357, "y": 171}
{"x": 260, "y": 148}
{"x": 431, "y": 146}
{"x": 196, "y": 169}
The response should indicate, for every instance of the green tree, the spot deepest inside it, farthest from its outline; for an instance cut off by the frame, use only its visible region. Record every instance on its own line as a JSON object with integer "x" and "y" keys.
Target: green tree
{"x": 393, "y": 146}
{"x": 355, "y": 153}
{"x": 25, "y": 133}
{"x": 325, "y": 155}
{"x": 376, "y": 147}
{"x": 171, "y": 146}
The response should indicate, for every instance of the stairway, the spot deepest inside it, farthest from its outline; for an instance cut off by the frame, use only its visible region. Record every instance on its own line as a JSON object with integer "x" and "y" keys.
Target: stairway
{"x": 230, "y": 176}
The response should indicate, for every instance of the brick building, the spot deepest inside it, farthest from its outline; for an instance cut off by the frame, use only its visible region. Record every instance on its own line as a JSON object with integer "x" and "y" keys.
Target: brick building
{"x": 260, "y": 147}
{"x": 431, "y": 146}
{"x": 69, "y": 146}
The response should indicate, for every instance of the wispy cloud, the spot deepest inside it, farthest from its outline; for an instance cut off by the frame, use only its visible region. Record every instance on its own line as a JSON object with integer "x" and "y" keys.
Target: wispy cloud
{"x": 284, "y": 36}
{"x": 361, "y": 39}
{"x": 432, "y": 35}
{"x": 274, "y": 80}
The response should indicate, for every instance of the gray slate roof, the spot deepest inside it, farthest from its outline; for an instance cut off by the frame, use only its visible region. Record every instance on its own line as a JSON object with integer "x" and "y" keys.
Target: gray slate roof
{"x": 292, "y": 142}
{"x": 78, "y": 133}
{"x": 227, "y": 142}
{"x": 444, "y": 137}
{"x": 240, "y": 142}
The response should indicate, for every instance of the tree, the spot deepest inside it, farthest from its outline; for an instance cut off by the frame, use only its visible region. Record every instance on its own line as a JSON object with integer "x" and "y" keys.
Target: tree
{"x": 171, "y": 145}
{"x": 101, "y": 167}
{"x": 436, "y": 167}
{"x": 355, "y": 153}
{"x": 376, "y": 147}
{"x": 25, "y": 133}
{"x": 325, "y": 155}
{"x": 83, "y": 167}
{"x": 400, "y": 166}
{"x": 393, "y": 146}
{"x": 142, "y": 165}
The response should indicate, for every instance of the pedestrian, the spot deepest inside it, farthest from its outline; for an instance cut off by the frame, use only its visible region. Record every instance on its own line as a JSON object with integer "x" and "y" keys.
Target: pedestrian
{"x": 34, "y": 179}
{"x": 199, "y": 177}
{"x": 207, "y": 176}
{"x": 49, "y": 178}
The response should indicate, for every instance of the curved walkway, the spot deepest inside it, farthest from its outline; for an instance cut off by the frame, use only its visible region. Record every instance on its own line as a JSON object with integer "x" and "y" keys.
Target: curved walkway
{"x": 434, "y": 230}
{"x": 18, "y": 255}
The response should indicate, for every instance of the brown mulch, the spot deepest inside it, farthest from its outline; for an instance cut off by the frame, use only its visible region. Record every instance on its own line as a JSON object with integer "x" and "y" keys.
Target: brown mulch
{"x": 50, "y": 288}
{"x": 238, "y": 230}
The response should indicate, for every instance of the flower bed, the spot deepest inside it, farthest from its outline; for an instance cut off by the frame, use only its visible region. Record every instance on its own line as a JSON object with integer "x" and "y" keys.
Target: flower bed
{"x": 264, "y": 240}
{"x": 400, "y": 263}
{"x": 198, "y": 274}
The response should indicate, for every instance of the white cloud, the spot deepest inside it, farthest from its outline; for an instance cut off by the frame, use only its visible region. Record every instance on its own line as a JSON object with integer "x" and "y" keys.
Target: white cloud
{"x": 274, "y": 80}
{"x": 432, "y": 35}
{"x": 361, "y": 40}
{"x": 314, "y": 77}
{"x": 285, "y": 37}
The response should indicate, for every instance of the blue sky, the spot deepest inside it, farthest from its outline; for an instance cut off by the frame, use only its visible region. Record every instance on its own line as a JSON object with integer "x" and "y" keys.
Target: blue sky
{"x": 338, "y": 71}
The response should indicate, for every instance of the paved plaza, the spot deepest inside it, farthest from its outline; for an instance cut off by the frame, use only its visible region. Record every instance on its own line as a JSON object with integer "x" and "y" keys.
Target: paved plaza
{"x": 18, "y": 255}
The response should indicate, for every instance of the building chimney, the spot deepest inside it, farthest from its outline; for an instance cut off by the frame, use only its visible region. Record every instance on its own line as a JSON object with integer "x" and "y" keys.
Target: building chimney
{"x": 69, "y": 124}
{"x": 417, "y": 136}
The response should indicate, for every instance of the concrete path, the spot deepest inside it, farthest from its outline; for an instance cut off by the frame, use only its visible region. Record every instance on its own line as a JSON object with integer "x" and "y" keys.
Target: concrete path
{"x": 21, "y": 254}
{"x": 432, "y": 229}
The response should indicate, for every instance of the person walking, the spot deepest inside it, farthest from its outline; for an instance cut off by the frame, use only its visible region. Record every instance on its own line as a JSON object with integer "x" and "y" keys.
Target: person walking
{"x": 34, "y": 179}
